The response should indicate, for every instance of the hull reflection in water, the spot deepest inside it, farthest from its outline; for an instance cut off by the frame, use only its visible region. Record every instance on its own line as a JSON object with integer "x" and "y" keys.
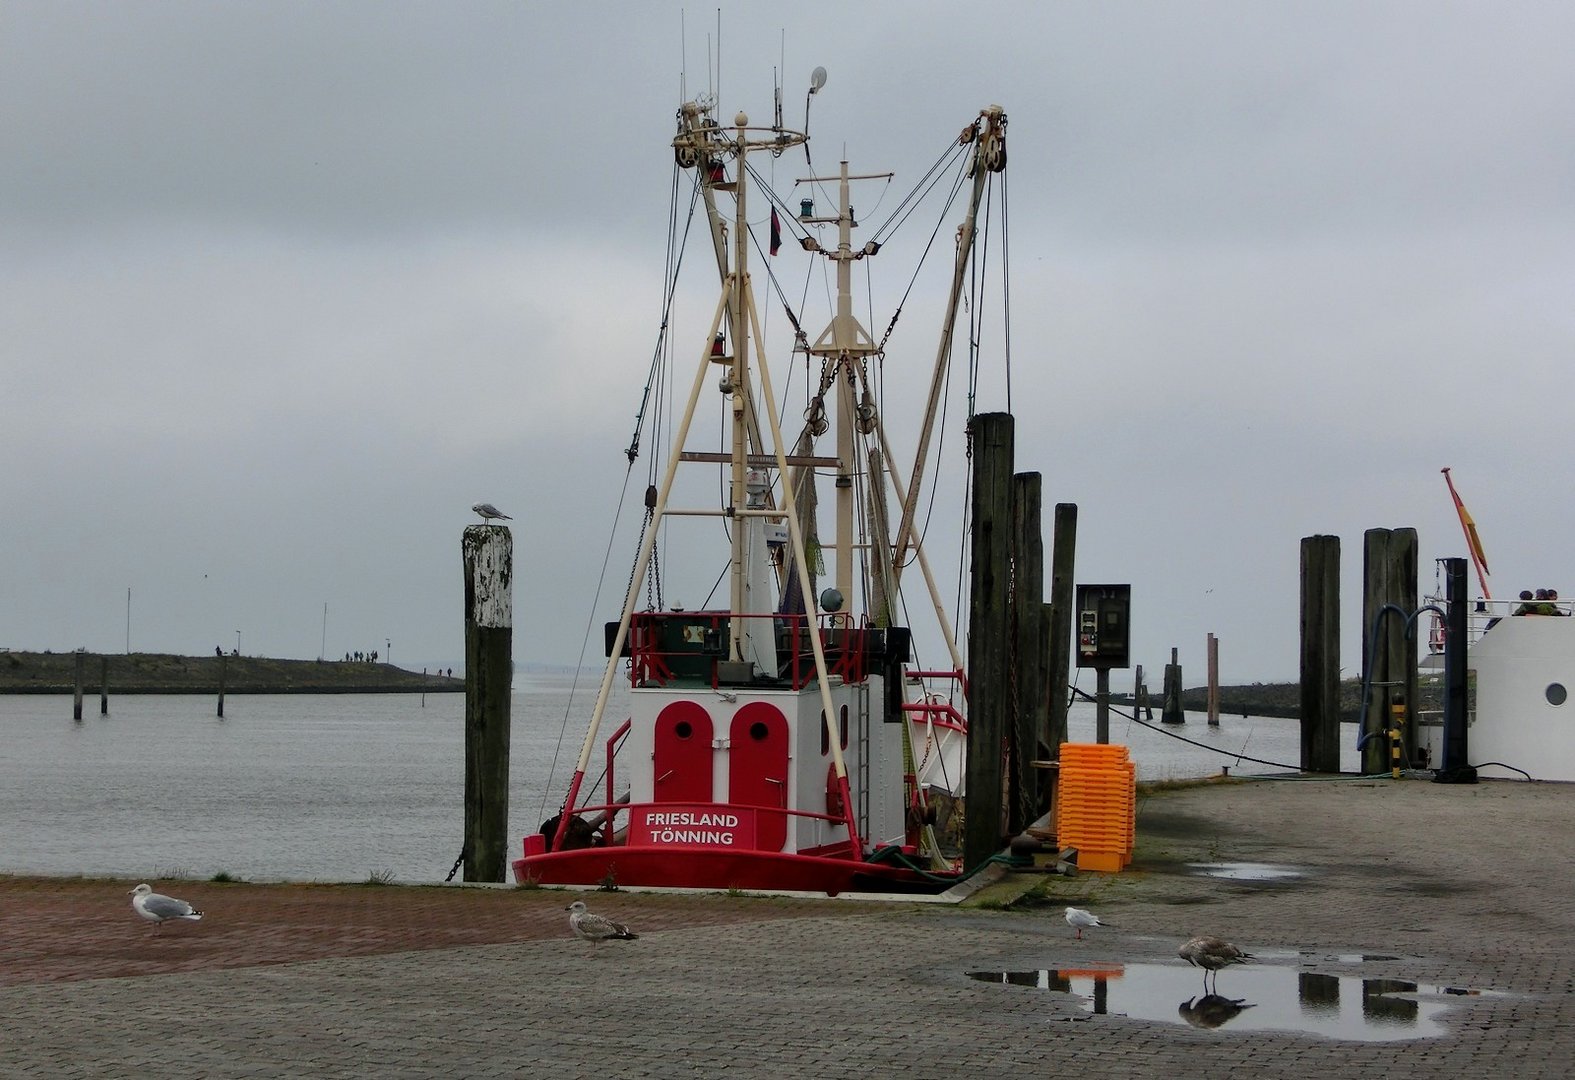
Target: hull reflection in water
{"x": 1257, "y": 999}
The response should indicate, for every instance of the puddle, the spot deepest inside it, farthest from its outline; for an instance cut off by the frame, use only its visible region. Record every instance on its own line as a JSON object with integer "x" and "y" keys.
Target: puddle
{"x": 1245, "y": 871}
{"x": 1254, "y": 998}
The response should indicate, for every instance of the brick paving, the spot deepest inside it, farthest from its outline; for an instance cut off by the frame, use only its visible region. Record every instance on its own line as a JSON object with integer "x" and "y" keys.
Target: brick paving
{"x": 1465, "y": 886}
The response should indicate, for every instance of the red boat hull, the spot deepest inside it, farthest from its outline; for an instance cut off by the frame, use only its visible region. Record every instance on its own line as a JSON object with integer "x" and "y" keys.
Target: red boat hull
{"x": 721, "y": 869}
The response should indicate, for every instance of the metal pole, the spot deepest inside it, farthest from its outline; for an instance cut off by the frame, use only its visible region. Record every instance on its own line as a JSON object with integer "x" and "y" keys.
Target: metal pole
{"x": 1102, "y": 705}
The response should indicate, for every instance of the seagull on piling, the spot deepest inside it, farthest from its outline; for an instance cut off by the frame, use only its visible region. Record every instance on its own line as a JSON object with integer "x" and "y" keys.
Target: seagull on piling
{"x": 1081, "y": 920}
{"x": 1211, "y": 954}
{"x": 594, "y": 928}
{"x": 488, "y": 512}
{"x": 157, "y": 908}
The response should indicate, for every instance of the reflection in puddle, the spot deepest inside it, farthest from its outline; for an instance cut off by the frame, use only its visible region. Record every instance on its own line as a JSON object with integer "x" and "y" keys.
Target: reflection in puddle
{"x": 1254, "y": 999}
{"x": 1245, "y": 871}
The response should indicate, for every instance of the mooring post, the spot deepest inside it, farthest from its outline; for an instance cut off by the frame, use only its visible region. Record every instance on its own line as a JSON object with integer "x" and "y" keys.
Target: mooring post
{"x": 1063, "y": 558}
{"x": 1171, "y": 712}
{"x": 1456, "y": 766}
{"x": 224, "y": 671}
{"x": 1031, "y": 704}
{"x": 103, "y": 685}
{"x": 76, "y": 699}
{"x": 1320, "y": 654}
{"x": 989, "y": 634}
{"x": 489, "y": 672}
{"x": 1389, "y": 593}
{"x": 1214, "y": 681}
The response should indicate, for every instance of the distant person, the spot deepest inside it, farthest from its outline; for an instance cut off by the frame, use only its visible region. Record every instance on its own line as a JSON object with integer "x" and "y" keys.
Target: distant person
{"x": 1526, "y": 606}
{"x": 1553, "y": 599}
{"x": 218, "y": 650}
{"x": 1545, "y": 602}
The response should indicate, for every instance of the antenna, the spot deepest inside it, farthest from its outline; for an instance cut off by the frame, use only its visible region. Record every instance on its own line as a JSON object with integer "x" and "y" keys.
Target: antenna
{"x": 817, "y": 79}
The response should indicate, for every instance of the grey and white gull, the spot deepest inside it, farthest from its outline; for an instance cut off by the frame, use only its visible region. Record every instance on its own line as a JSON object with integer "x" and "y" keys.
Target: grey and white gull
{"x": 158, "y": 908}
{"x": 1081, "y": 920}
{"x": 595, "y": 928}
{"x": 488, "y": 512}
{"x": 1211, "y": 954}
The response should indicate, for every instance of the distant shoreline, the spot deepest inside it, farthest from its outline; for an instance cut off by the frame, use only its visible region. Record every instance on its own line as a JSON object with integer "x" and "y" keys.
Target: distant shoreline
{"x": 169, "y": 673}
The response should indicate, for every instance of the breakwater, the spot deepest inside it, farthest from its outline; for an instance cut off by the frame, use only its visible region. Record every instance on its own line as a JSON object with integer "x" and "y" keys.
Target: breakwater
{"x": 170, "y": 673}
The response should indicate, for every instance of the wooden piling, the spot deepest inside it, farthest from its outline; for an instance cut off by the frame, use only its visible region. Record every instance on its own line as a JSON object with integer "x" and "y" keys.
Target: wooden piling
{"x": 488, "y": 552}
{"x": 1171, "y": 712}
{"x": 224, "y": 671}
{"x": 1389, "y": 597}
{"x": 1031, "y": 706}
{"x": 1320, "y": 654}
{"x": 989, "y": 634}
{"x": 103, "y": 686}
{"x": 1062, "y": 596}
{"x": 1214, "y": 681}
{"x": 76, "y": 697}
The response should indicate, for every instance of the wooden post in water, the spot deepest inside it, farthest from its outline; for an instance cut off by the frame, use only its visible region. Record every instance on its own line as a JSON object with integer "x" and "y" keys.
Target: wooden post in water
{"x": 1171, "y": 712}
{"x": 1031, "y": 703}
{"x": 76, "y": 699}
{"x": 224, "y": 671}
{"x": 1214, "y": 681}
{"x": 1389, "y": 593}
{"x": 989, "y": 632}
{"x": 1062, "y": 596}
{"x": 1320, "y": 650}
{"x": 489, "y": 671}
{"x": 103, "y": 685}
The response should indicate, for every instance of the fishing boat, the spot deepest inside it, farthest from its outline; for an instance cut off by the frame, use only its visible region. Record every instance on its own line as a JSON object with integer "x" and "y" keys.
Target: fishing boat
{"x": 788, "y": 737}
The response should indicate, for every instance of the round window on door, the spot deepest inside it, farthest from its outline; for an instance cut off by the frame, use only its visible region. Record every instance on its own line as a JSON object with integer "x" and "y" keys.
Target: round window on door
{"x": 682, "y": 729}
{"x": 1556, "y": 693}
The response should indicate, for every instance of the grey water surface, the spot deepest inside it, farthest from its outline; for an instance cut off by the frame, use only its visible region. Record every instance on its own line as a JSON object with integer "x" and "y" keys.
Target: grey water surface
{"x": 344, "y": 787}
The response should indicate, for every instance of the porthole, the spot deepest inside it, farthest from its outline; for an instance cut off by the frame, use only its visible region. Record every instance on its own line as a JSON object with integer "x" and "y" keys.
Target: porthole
{"x": 682, "y": 729}
{"x": 758, "y": 731}
{"x": 1557, "y": 695}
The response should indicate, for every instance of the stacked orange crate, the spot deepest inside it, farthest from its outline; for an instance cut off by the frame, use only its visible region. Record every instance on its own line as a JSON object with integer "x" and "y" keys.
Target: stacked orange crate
{"x": 1096, "y": 804}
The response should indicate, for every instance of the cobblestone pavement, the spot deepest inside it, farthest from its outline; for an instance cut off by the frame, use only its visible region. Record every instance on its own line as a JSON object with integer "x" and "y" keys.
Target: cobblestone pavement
{"x": 1460, "y": 886}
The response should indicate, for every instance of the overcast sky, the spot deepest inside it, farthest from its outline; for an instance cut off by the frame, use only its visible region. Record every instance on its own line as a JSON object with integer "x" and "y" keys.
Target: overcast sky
{"x": 286, "y": 287}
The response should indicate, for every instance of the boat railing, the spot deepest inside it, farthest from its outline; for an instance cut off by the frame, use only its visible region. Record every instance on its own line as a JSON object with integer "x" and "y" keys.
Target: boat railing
{"x": 939, "y": 713}
{"x": 1485, "y": 613}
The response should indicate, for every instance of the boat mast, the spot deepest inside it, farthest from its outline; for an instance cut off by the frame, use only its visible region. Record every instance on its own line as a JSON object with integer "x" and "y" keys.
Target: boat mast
{"x": 844, "y": 345}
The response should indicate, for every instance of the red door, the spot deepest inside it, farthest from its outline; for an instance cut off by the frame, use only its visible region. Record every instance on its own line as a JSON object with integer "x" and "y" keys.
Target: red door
{"x": 682, "y": 759}
{"x": 757, "y": 769}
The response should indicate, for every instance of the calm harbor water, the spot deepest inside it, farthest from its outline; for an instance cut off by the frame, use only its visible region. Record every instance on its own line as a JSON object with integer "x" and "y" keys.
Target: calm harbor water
{"x": 341, "y": 787}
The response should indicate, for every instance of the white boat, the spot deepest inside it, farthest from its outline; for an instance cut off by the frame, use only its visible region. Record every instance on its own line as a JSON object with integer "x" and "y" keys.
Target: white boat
{"x": 785, "y": 738}
{"x": 1520, "y": 720}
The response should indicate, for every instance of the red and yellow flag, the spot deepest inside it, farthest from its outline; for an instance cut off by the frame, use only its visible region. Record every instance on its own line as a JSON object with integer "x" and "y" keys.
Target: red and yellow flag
{"x": 1473, "y": 541}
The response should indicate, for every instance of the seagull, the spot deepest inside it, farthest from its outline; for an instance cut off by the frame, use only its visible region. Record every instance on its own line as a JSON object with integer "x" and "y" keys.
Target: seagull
{"x": 1081, "y": 920}
{"x": 1211, "y": 954}
{"x": 1211, "y": 1010}
{"x": 488, "y": 512}
{"x": 594, "y": 928}
{"x": 156, "y": 907}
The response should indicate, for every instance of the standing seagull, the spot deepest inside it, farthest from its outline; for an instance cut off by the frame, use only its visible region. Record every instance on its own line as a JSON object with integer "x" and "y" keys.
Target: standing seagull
{"x": 1211, "y": 954}
{"x": 594, "y": 928}
{"x": 1081, "y": 920}
{"x": 488, "y": 512}
{"x": 156, "y": 907}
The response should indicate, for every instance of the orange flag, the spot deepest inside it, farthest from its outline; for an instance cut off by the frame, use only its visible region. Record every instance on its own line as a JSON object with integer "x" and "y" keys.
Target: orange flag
{"x": 1473, "y": 541}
